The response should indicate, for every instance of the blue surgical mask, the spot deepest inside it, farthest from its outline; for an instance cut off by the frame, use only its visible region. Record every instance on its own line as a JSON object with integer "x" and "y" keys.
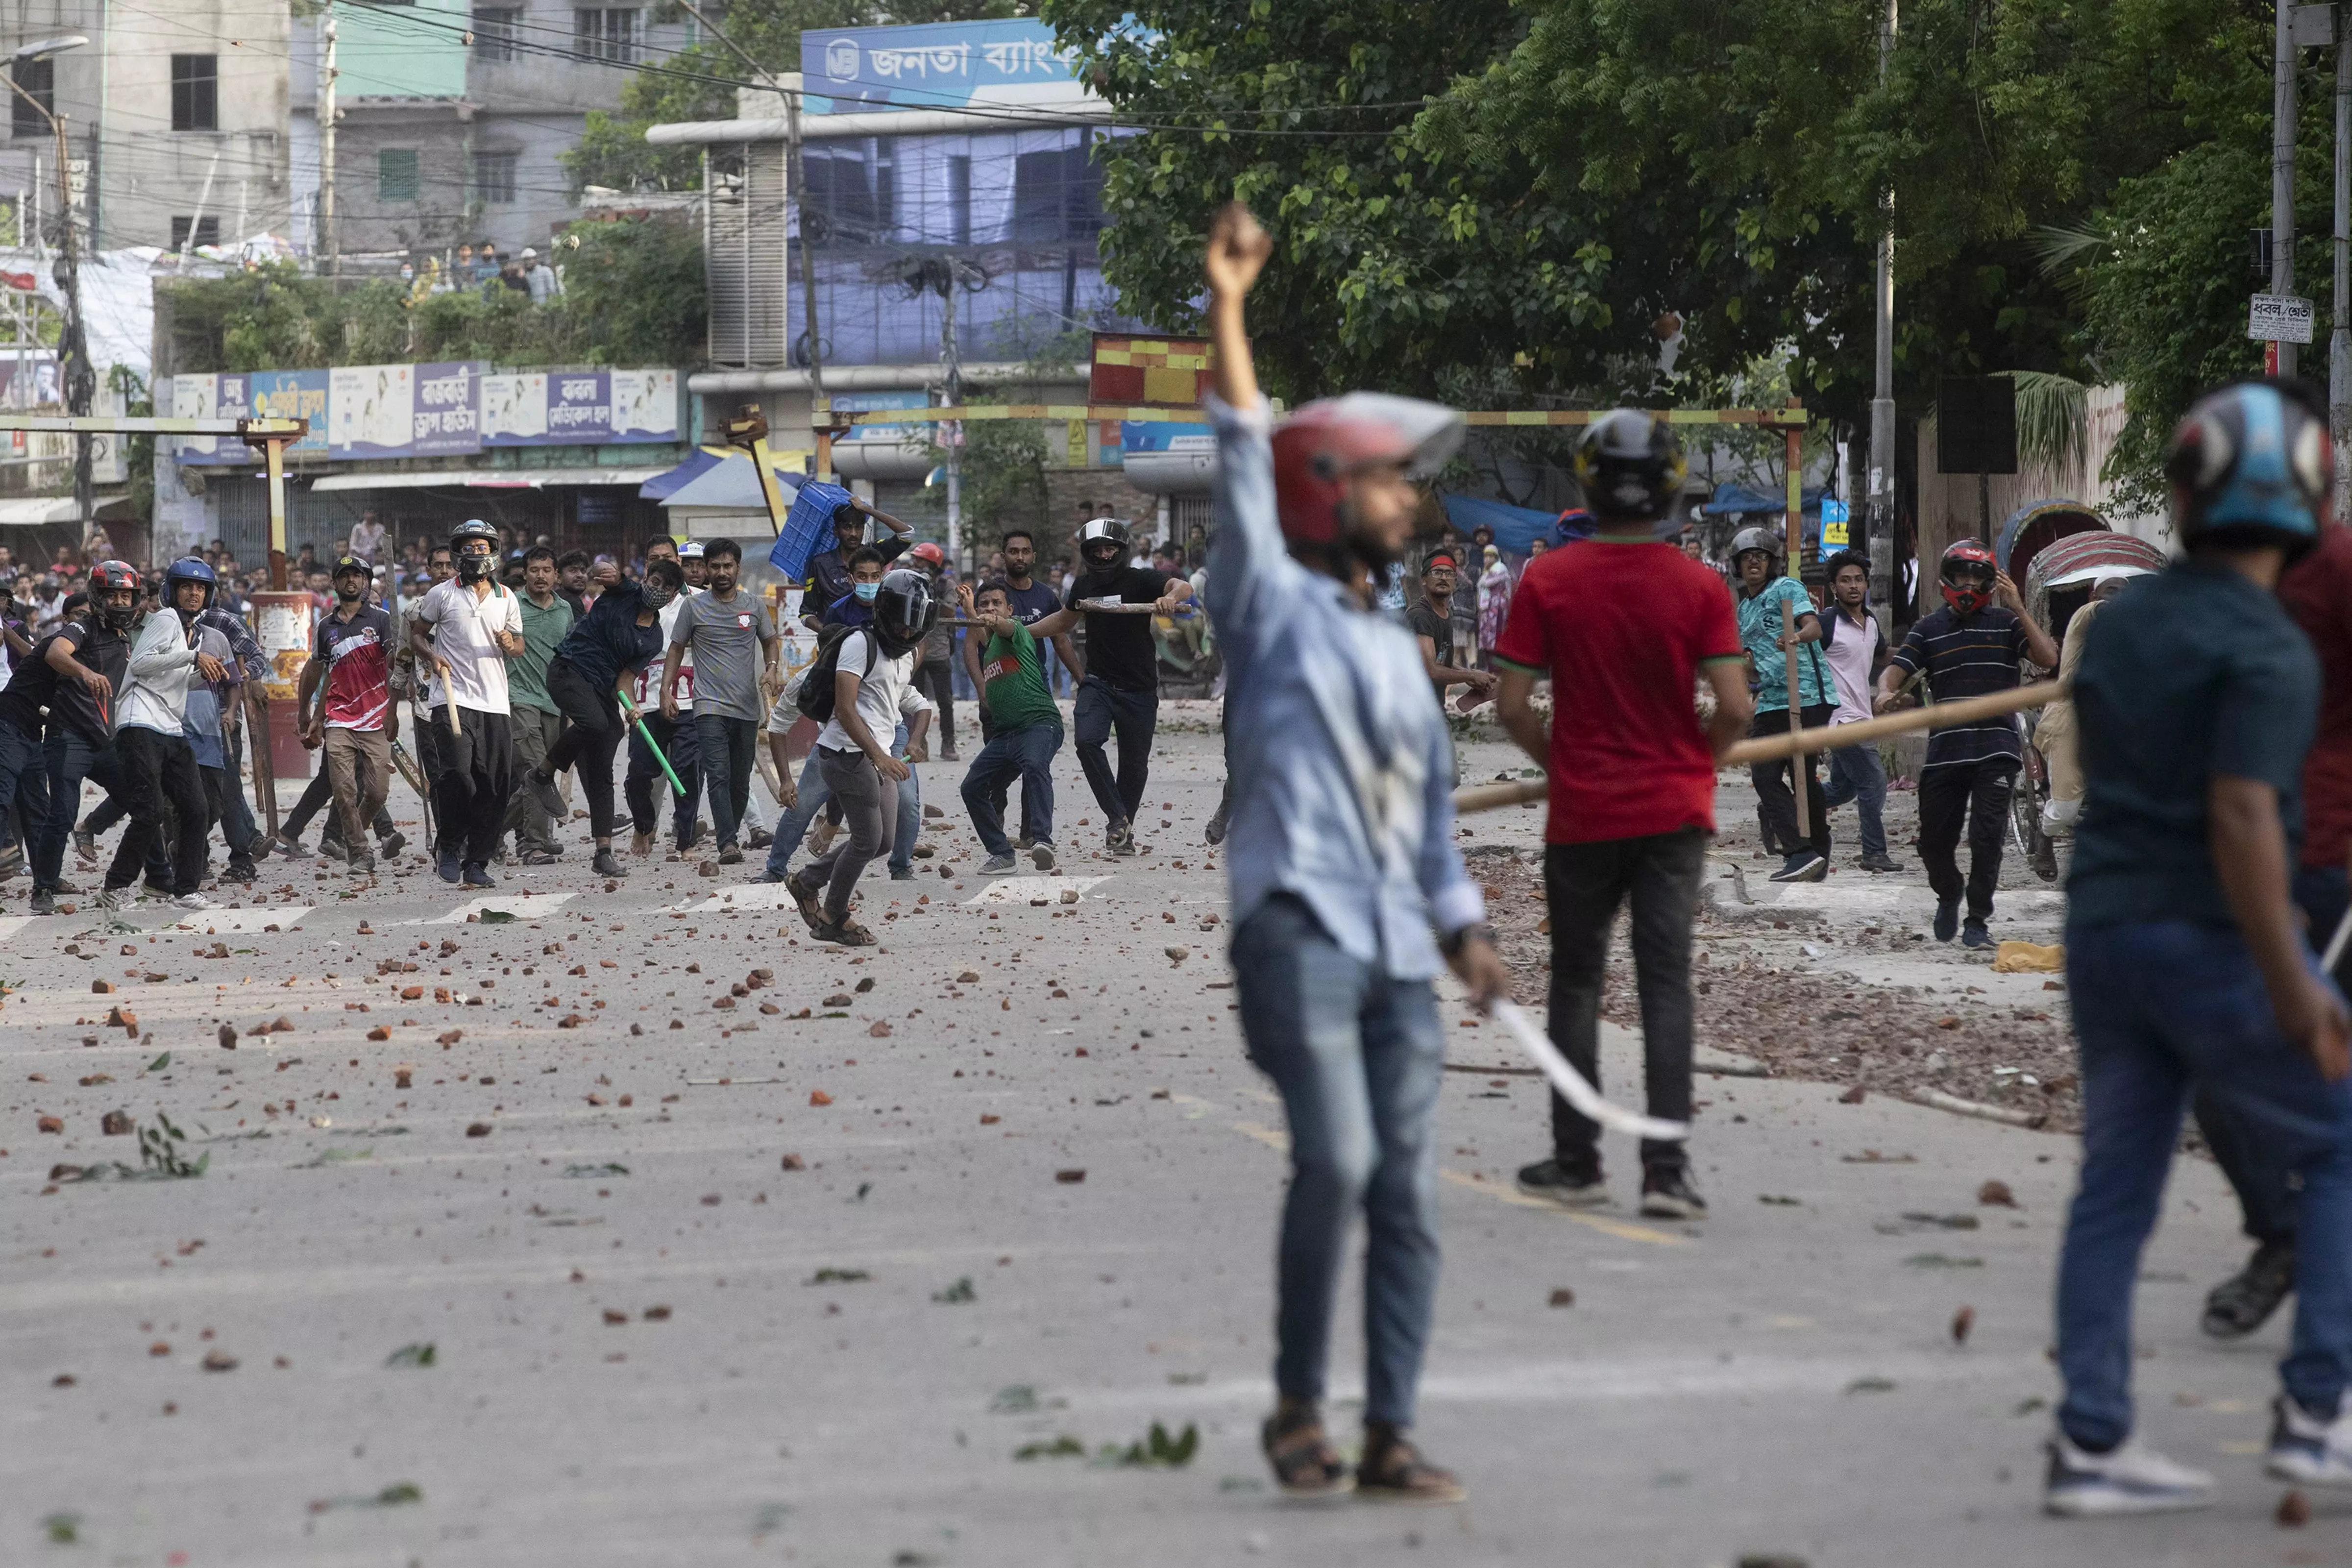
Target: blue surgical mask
{"x": 866, "y": 591}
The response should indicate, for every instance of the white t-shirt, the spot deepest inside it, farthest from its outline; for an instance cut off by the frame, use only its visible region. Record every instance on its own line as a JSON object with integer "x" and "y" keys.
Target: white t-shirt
{"x": 649, "y": 680}
{"x": 884, "y": 695}
{"x": 465, "y": 632}
{"x": 1852, "y": 649}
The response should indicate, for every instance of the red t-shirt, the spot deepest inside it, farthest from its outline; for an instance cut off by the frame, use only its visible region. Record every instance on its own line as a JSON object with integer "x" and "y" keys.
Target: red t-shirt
{"x": 1621, "y": 630}
{"x": 2319, "y": 594}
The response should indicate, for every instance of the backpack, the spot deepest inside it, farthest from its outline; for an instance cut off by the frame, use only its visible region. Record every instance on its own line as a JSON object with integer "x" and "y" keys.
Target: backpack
{"x": 815, "y": 697}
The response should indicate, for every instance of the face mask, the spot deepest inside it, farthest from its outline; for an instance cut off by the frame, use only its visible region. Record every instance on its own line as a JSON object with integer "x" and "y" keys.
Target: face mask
{"x": 657, "y": 596}
{"x": 473, "y": 568}
{"x": 866, "y": 591}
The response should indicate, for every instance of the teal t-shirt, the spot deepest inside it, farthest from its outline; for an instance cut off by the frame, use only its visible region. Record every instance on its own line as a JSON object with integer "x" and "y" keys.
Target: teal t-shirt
{"x": 1761, "y": 619}
{"x": 542, "y": 630}
{"x": 1012, "y": 684}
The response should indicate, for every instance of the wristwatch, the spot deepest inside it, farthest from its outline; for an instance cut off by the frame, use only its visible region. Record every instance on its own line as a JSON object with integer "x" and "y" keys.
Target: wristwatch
{"x": 1449, "y": 944}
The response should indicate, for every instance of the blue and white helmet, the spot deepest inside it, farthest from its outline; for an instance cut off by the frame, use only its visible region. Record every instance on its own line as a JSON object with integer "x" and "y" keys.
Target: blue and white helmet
{"x": 189, "y": 569}
{"x": 2257, "y": 463}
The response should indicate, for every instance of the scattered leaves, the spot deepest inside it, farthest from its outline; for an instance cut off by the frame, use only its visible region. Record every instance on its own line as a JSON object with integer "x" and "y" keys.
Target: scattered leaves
{"x": 422, "y": 1353}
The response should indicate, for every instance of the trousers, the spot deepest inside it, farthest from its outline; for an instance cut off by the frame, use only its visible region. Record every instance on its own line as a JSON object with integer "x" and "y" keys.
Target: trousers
{"x": 160, "y": 771}
{"x": 1102, "y": 709}
{"x": 1776, "y": 802}
{"x": 475, "y": 780}
{"x": 1976, "y": 794}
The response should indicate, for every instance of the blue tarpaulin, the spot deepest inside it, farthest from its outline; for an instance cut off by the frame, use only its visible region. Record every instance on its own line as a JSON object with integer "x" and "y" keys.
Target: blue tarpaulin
{"x": 661, "y": 487}
{"x": 1730, "y": 497}
{"x": 1515, "y": 527}
{"x": 808, "y": 527}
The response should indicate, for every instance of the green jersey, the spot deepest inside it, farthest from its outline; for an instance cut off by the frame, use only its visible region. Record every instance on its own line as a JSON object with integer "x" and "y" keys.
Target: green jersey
{"x": 1013, "y": 686}
{"x": 542, "y": 631}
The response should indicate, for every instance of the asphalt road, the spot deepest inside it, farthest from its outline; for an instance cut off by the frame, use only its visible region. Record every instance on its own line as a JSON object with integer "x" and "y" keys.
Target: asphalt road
{"x": 691, "y": 1283}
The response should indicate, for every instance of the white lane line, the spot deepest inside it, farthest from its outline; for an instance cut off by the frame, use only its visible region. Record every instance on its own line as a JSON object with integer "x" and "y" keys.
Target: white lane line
{"x": 750, "y": 895}
{"x": 521, "y": 906}
{"x": 214, "y": 922}
{"x": 1028, "y": 890}
{"x": 11, "y": 924}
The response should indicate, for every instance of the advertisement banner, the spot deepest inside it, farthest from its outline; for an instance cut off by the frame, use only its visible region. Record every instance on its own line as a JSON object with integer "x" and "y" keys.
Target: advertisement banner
{"x": 446, "y": 416}
{"x": 292, "y": 394}
{"x": 645, "y": 405}
{"x": 579, "y": 406}
{"x": 938, "y": 65}
{"x": 369, "y": 410}
{"x": 514, "y": 410}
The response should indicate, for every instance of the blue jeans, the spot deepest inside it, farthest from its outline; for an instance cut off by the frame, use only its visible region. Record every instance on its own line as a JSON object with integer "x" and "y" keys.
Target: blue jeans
{"x": 793, "y": 824}
{"x": 1102, "y": 708}
{"x": 24, "y": 784}
{"x": 1358, "y": 1056}
{"x": 1856, "y": 775}
{"x": 1027, "y": 755}
{"x": 2160, "y": 1006}
{"x": 70, "y": 758}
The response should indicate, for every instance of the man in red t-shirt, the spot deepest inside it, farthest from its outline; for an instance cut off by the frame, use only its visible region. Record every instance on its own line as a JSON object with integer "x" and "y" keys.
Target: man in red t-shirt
{"x": 1624, "y": 624}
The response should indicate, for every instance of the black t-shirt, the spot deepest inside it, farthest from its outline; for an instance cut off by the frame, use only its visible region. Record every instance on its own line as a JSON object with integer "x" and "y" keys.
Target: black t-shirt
{"x": 35, "y": 685}
{"x": 1425, "y": 622}
{"x": 828, "y": 574}
{"x": 1119, "y": 648}
{"x": 1033, "y": 604}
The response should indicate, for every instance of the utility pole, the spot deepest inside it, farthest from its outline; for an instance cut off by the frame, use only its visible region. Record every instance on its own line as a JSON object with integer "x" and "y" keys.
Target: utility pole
{"x": 952, "y": 391}
{"x": 327, "y": 111}
{"x": 1880, "y": 525}
{"x": 2283, "y": 64}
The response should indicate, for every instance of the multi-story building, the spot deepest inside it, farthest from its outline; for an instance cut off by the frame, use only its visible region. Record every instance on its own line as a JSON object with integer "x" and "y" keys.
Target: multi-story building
{"x": 174, "y": 119}
{"x": 452, "y": 116}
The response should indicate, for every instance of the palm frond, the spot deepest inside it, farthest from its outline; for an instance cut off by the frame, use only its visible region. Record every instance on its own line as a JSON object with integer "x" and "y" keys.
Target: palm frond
{"x": 2052, "y": 420}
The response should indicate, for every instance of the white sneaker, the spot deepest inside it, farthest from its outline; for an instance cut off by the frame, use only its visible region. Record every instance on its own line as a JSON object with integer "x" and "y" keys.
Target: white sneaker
{"x": 116, "y": 897}
{"x": 194, "y": 901}
{"x": 2305, "y": 1449}
{"x": 2129, "y": 1478}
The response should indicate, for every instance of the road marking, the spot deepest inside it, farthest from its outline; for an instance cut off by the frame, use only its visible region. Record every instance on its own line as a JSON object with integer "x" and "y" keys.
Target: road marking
{"x": 11, "y": 924}
{"x": 1024, "y": 889}
{"x": 1276, "y": 1138}
{"x": 752, "y": 896}
{"x": 217, "y": 921}
{"x": 523, "y": 906}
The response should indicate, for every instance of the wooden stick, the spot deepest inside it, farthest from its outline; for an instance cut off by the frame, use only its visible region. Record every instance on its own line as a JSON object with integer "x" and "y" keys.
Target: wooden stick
{"x": 1772, "y": 748}
{"x": 1793, "y": 517}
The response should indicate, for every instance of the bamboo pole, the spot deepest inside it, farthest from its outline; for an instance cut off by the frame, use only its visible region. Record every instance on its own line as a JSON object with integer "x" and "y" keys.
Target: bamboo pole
{"x": 1771, "y": 748}
{"x": 1795, "y": 520}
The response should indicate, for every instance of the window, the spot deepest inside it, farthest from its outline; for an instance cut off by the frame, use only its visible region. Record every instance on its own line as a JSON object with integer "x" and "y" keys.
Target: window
{"x": 195, "y": 92}
{"x": 494, "y": 178}
{"x": 959, "y": 199}
{"x": 39, "y": 81}
{"x": 395, "y": 174}
{"x": 1056, "y": 195}
{"x": 852, "y": 201}
{"x": 207, "y": 230}
{"x": 494, "y": 27}
{"x": 606, "y": 33}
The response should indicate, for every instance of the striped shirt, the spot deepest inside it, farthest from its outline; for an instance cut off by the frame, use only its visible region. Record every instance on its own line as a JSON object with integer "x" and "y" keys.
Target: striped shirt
{"x": 1968, "y": 659}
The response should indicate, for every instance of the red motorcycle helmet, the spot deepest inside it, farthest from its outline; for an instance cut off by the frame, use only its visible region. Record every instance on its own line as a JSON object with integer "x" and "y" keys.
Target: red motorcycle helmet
{"x": 1319, "y": 448}
{"x": 1967, "y": 559}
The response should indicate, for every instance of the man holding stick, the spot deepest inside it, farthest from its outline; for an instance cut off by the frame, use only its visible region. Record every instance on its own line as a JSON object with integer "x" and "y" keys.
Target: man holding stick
{"x": 1623, "y": 624}
{"x": 467, "y": 629}
{"x": 351, "y": 656}
{"x": 1775, "y": 620}
{"x": 603, "y": 653}
{"x": 1968, "y": 648}
{"x": 1342, "y": 860}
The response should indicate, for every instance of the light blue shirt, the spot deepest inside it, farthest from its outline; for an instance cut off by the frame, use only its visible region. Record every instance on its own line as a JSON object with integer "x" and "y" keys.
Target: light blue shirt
{"x": 1342, "y": 769}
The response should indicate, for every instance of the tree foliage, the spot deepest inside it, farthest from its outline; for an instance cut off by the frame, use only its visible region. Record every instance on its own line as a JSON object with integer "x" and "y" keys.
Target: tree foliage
{"x": 1514, "y": 200}
{"x": 633, "y": 296}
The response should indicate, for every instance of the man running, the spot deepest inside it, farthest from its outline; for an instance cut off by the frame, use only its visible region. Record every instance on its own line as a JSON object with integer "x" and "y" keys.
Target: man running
{"x": 350, "y": 658}
{"x": 1346, "y": 884}
{"x": 872, "y": 689}
{"x": 1775, "y": 619}
{"x": 1968, "y": 648}
{"x": 733, "y": 641}
{"x": 2185, "y": 965}
{"x": 158, "y": 767}
{"x": 1025, "y": 730}
{"x": 1119, "y": 678}
{"x": 645, "y": 785}
{"x": 467, "y": 629}
{"x": 547, "y": 620}
{"x": 78, "y": 674}
{"x": 1853, "y": 641}
{"x": 1623, "y": 624}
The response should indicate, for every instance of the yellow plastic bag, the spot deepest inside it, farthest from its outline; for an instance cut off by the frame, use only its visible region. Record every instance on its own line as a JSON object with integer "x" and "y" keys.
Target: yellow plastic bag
{"x": 2029, "y": 958}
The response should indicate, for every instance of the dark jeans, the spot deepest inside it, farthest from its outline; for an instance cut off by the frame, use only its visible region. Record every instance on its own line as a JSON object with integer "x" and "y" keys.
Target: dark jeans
{"x": 1585, "y": 885}
{"x": 590, "y": 740}
{"x": 2159, "y": 1007}
{"x": 1856, "y": 775}
{"x": 24, "y": 783}
{"x": 1977, "y": 795}
{"x": 1358, "y": 1056}
{"x": 727, "y": 746}
{"x": 234, "y": 811}
{"x": 676, "y": 739}
{"x": 160, "y": 771}
{"x": 1102, "y": 708}
{"x": 477, "y": 778}
{"x": 935, "y": 678}
{"x": 870, "y": 817}
{"x": 1026, "y": 755}
{"x": 71, "y": 758}
{"x": 2264, "y": 1186}
{"x": 1776, "y": 804}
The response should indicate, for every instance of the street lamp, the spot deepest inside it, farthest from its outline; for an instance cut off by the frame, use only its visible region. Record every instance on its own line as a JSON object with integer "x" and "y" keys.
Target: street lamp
{"x": 80, "y": 378}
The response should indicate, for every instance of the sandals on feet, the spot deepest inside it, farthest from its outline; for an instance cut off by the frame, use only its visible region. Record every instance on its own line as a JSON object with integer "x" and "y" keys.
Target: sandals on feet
{"x": 1305, "y": 1463}
{"x": 807, "y": 899}
{"x": 848, "y": 933}
{"x": 1393, "y": 1471}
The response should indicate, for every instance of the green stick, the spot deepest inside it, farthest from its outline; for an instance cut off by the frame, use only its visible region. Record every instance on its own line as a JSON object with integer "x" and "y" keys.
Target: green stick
{"x": 651, "y": 744}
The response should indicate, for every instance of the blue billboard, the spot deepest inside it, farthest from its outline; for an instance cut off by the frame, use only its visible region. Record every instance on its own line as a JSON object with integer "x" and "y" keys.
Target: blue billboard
{"x": 942, "y": 65}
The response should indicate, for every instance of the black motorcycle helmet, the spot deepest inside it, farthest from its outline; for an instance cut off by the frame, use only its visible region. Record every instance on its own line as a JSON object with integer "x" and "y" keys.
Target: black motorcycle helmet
{"x": 473, "y": 566}
{"x": 906, "y": 608}
{"x": 1630, "y": 466}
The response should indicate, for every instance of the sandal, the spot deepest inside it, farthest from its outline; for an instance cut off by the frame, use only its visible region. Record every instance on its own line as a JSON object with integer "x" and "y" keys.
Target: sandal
{"x": 1305, "y": 1463}
{"x": 807, "y": 899}
{"x": 848, "y": 933}
{"x": 1393, "y": 1471}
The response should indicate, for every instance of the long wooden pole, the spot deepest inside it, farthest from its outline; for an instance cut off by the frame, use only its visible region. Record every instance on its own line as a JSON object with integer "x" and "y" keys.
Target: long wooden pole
{"x": 1771, "y": 748}
{"x": 1795, "y": 517}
